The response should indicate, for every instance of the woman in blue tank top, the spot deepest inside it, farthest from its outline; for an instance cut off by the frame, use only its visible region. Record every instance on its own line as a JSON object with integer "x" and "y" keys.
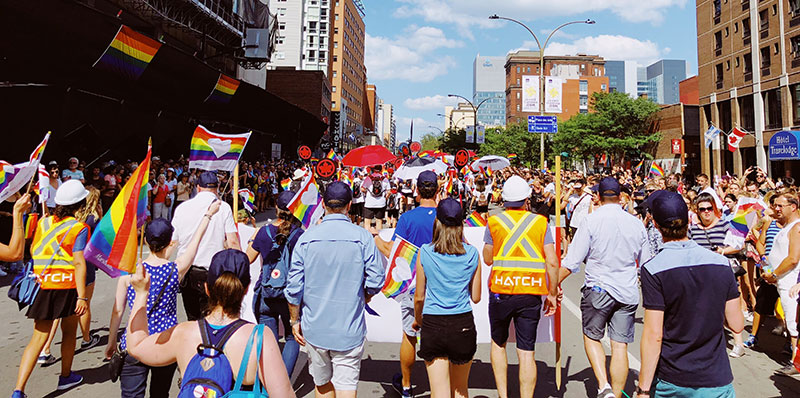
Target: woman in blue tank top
{"x": 448, "y": 276}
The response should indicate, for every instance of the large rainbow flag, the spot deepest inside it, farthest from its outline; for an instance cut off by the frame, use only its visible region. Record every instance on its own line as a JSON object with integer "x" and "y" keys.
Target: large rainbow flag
{"x": 224, "y": 90}
{"x": 307, "y": 203}
{"x": 746, "y": 214}
{"x": 112, "y": 247}
{"x": 475, "y": 220}
{"x": 128, "y": 54}
{"x": 402, "y": 268}
{"x": 212, "y": 151}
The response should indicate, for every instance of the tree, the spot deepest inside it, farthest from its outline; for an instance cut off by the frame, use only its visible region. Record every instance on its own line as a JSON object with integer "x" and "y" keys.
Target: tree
{"x": 515, "y": 139}
{"x": 430, "y": 141}
{"x": 619, "y": 126}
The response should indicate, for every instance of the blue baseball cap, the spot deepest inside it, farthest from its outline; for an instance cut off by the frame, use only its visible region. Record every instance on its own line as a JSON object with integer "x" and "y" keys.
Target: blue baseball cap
{"x": 668, "y": 206}
{"x": 229, "y": 260}
{"x": 427, "y": 177}
{"x": 337, "y": 194}
{"x": 158, "y": 233}
{"x": 283, "y": 200}
{"x": 449, "y": 212}
{"x": 208, "y": 179}
{"x": 609, "y": 186}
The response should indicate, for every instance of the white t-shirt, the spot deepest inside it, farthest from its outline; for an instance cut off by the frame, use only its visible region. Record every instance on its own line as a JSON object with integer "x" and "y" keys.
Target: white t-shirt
{"x": 49, "y": 193}
{"x": 246, "y": 233}
{"x": 186, "y": 220}
{"x": 487, "y": 194}
{"x": 375, "y": 202}
{"x": 171, "y": 186}
{"x": 360, "y": 199}
{"x": 580, "y": 208}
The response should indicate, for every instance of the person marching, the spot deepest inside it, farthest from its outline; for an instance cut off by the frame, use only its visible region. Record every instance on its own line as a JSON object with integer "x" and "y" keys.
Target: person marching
{"x": 611, "y": 242}
{"x": 520, "y": 249}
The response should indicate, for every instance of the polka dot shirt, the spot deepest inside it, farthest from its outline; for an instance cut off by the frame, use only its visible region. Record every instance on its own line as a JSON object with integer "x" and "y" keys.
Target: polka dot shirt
{"x": 165, "y": 315}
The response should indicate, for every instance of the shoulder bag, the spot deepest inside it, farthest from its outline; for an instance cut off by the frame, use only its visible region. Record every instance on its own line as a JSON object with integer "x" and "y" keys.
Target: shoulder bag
{"x": 27, "y": 284}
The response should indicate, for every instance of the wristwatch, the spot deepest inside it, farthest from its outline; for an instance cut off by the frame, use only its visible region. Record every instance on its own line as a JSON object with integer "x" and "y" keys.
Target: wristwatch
{"x": 639, "y": 391}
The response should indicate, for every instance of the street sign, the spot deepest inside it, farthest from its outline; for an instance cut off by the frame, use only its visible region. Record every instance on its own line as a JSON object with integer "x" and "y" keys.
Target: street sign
{"x": 542, "y": 124}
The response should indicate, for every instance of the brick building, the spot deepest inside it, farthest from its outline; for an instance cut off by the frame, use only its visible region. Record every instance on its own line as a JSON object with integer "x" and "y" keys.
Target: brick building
{"x": 348, "y": 75}
{"x": 309, "y": 90}
{"x": 749, "y": 70}
{"x": 583, "y": 74}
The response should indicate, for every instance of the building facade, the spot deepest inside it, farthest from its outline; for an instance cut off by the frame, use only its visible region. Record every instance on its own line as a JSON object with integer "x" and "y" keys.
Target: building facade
{"x": 488, "y": 89}
{"x": 458, "y": 117}
{"x": 386, "y": 126}
{"x": 582, "y": 75}
{"x": 309, "y": 90}
{"x": 348, "y": 74}
{"x": 304, "y": 34}
{"x": 748, "y": 77}
{"x": 663, "y": 78}
{"x": 622, "y": 77}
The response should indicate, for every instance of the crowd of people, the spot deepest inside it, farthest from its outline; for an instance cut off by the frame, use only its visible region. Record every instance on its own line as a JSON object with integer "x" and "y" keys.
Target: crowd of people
{"x": 668, "y": 242}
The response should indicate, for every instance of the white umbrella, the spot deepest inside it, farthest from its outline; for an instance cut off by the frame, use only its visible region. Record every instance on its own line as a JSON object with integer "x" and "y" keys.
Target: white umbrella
{"x": 492, "y": 162}
{"x": 411, "y": 169}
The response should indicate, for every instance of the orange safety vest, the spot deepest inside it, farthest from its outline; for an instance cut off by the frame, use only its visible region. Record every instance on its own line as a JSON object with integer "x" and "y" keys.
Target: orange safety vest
{"x": 519, "y": 263}
{"x": 51, "y": 252}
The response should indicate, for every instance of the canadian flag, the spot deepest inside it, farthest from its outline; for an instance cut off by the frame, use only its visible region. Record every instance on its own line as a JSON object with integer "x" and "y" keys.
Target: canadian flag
{"x": 735, "y": 138}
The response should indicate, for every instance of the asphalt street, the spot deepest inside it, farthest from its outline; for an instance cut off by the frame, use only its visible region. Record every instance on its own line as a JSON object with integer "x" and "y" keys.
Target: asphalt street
{"x": 753, "y": 373}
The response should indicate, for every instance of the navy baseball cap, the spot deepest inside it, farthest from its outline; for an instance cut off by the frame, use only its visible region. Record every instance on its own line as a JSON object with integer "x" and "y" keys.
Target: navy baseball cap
{"x": 449, "y": 212}
{"x": 229, "y": 260}
{"x": 337, "y": 194}
{"x": 427, "y": 177}
{"x": 208, "y": 179}
{"x": 158, "y": 233}
{"x": 609, "y": 186}
{"x": 667, "y": 207}
{"x": 283, "y": 200}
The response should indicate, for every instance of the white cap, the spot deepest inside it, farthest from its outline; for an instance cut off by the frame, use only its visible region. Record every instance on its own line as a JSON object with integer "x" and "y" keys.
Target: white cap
{"x": 70, "y": 192}
{"x": 298, "y": 174}
{"x": 516, "y": 189}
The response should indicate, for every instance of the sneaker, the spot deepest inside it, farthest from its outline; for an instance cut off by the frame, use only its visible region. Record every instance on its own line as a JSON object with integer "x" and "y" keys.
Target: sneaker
{"x": 65, "y": 383}
{"x": 787, "y": 349}
{"x": 737, "y": 351}
{"x": 788, "y": 370}
{"x": 93, "y": 341}
{"x": 748, "y": 316}
{"x": 751, "y": 342}
{"x": 18, "y": 394}
{"x": 46, "y": 359}
{"x": 779, "y": 330}
{"x": 606, "y": 393}
{"x": 397, "y": 384}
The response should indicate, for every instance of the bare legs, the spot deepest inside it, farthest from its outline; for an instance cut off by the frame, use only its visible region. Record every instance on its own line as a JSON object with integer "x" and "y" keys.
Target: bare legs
{"x": 41, "y": 331}
{"x": 448, "y": 380}
{"x": 86, "y": 318}
{"x": 619, "y": 363}
{"x": 407, "y": 357}
{"x": 527, "y": 371}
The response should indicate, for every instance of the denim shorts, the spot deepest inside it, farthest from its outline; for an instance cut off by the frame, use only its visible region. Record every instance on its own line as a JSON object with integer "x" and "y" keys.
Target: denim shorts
{"x": 453, "y": 337}
{"x": 599, "y": 308}
{"x": 665, "y": 389}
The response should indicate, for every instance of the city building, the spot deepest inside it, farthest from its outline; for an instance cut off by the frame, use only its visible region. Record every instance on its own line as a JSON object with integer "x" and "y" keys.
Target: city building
{"x": 386, "y": 126}
{"x": 460, "y": 117}
{"x": 308, "y": 89}
{"x": 488, "y": 90}
{"x": 679, "y": 127}
{"x": 303, "y": 34}
{"x": 748, "y": 77}
{"x": 663, "y": 78}
{"x": 348, "y": 75}
{"x": 622, "y": 77}
{"x": 583, "y": 75}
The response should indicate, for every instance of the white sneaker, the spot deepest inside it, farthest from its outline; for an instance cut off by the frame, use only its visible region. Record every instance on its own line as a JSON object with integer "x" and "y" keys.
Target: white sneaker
{"x": 748, "y": 316}
{"x": 737, "y": 351}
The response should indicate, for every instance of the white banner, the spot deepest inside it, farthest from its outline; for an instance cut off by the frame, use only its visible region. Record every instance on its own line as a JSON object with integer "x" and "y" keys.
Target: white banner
{"x": 276, "y": 150}
{"x": 387, "y": 326}
{"x": 530, "y": 93}
{"x": 481, "y": 137}
{"x": 553, "y": 91}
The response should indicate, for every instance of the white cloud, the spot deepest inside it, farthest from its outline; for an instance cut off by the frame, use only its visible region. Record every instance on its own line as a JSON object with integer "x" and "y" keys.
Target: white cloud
{"x": 614, "y": 47}
{"x": 468, "y": 14}
{"x": 410, "y": 56}
{"x": 430, "y": 102}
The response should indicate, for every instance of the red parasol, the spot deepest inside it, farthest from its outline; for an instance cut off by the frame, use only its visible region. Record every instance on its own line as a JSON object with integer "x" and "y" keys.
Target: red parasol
{"x": 369, "y": 155}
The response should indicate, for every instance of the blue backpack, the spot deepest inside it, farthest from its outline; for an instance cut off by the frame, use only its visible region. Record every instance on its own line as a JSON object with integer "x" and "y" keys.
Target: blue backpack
{"x": 209, "y": 373}
{"x": 275, "y": 270}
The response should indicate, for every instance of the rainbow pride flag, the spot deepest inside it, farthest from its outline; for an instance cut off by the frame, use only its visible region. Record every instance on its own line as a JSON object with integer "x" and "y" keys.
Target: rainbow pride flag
{"x": 224, "y": 90}
{"x": 212, "y": 151}
{"x": 656, "y": 169}
{"x": 638, "y": 166}
{"x": 31, "y": 221}
{"x": 402, "y": 268}
{"x": 475, "y": 220}
{"x": 307, "y": 203}
{"x": 512, "y": 156}
{"x": 36, "y": 155}
{"x": 113, "y": 244}
{"x": 286, "y": 183}
{"x": 331, "y": 155}
{"x": 746, "y": 214}
{"x": 248, "y": 199}
{"x": 128, "y": 54}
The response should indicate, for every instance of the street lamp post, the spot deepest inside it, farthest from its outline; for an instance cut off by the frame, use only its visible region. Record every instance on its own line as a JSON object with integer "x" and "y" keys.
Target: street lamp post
{"x": 440, "y": 130}
{"x": 541, "y": 68}
{"x": 474, "y": 114}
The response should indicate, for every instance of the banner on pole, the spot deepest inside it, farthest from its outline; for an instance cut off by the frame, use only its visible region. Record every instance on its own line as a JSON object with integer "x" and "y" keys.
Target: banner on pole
{"x": 553, "y": 91}
{"x": 530, "y": 93}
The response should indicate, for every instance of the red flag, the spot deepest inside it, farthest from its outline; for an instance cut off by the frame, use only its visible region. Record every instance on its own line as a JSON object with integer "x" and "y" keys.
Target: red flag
{"x": 735, "y": 138}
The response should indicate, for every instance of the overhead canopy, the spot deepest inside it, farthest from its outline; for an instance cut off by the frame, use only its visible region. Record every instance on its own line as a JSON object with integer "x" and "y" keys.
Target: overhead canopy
{"x": 48, "y": 50}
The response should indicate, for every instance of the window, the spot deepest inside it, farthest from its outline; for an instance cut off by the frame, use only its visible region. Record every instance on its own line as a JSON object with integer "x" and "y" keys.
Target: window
{"x": 736, "y": 62}
{"x": 333, "y": 89}
{"x": 583, "y": 86}
{"x": 774, "y": 9}
{"x": 718, "y": 41}
{"x": 529, "y": 69}
{"x": 728, "y": 65}
{"x": 518, "y": 108}
{"x": 765, "y": 61}
{"x": 795, "y": 41}
{"x": 281, "y": 25}
{"x": 334, "y": 73}
{"x": 595, "y": 72}
{"x": 336, "y": 17}
{"x": 735, "y": 27}
{"x": 336, "y": 44}
{"x": 333, "y": 104}
{"x": 726, "y": 31}
{"x": 748, "y": 65}
{"x": 323, "y": 26}
{"x": 584, "y": 101}
{"x": 746, "y": 27}
{"x": 777, "y": 48}
{"x": 518, "y": 81}
{"x": 322, "y": 55}
{"x": 335, "y": 58}
{"x": 763, "y": 19}
{"x": 583, "y": 66}
{"x": 717, "y": 8}
{"x": 518, "y": 69}
{"x": 719, "y": 76}
{"x": 603, "y": 86}
{"x": 282, "y": 11}
{"x": 794, "y": 7}
{"x": 584, "y": 110}
{"x": 518, "y": 95}
{"x": 311, "y": 39}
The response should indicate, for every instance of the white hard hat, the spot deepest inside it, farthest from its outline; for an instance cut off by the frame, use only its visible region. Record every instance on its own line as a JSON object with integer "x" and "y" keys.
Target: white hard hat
{"x": 70, "y": 192}
{"x": 516, "y": 189}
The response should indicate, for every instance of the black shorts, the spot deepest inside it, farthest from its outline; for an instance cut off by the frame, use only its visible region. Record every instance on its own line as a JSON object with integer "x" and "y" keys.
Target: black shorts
{"x": 482, "y": 209}
{"x": 52, "y": 304}
{"x": 356, "y": 208}
{"x": 524, "y": 309}
{"x": 393, "y": 213}
{"x": 448, "y": 336}
{"x": 375, "y": 212}
{"x": 766, "y": 297}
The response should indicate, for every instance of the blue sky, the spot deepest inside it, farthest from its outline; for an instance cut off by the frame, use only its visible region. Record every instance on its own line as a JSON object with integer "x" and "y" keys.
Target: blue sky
{"x": 418, "y": 51}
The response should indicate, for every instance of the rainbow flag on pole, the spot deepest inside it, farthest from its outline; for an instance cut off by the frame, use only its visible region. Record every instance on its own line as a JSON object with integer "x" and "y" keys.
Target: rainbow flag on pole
{"x": 286, "y": 183}
{"x": 331, "y": 155}
{"x": 656, "y": 169}
{"x": 128, "y": 54}
{"x": 475, "y": 220}
{"x": 224, "y": 90}
{"x": 112, "y": 247}
{"x": 248, "y": 199}
{"x": 638, "y": 166}
{"x": 212, "y": 151}
{"x": 402, "y": 268}
{"x": 307, "y": 203}
{"x": 36, "y": 155}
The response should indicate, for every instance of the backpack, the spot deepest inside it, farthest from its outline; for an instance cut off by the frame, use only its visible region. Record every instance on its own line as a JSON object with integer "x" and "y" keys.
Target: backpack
{"x": 356, "y": 189}
{"x": 391, "y": 203}
{"x": 377, "y": 187}
{"x": 209, "y": 373}
{"x": 275, "y": 270}
{"x": 483, "y": 200}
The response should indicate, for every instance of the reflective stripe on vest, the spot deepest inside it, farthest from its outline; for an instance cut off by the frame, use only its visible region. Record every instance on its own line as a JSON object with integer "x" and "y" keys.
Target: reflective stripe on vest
{"x": 51, "y": 261}
{"x": 519, "y": 264}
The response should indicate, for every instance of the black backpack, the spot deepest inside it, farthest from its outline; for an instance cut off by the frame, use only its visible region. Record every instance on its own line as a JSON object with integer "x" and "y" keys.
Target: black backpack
{"x": 356, "y": 189}
{"x": 377, "y": 187}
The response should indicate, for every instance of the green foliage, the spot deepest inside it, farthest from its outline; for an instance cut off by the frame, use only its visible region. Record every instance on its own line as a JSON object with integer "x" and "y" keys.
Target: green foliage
{"x": 430, "y": 141}
{"x": 516, "y": 139}
{"x": 619, "y": 126}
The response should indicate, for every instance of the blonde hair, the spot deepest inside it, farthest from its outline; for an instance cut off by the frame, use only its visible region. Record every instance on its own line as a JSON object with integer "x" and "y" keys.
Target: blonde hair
{"x": 92, "y": 206}
{"x": 448, "y": 240}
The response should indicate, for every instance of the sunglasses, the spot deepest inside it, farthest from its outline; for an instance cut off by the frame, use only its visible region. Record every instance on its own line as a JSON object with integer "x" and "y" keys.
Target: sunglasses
{"x": 705, "y": 209}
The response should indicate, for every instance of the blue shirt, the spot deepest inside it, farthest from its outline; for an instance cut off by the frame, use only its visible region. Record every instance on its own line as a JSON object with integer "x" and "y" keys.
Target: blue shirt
{"x": 333, "y": 265}
{"x": 447, "y": 280}
{"x": 416, "y": 226}
{"x": 612, "y": 242}
{"x": 691, "y": 285}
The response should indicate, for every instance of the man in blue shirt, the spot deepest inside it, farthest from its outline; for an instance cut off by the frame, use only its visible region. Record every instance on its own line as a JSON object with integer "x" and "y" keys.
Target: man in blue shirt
{"x": 415, "y": 226}
{"x": 683, "y": 349}
{"x": 336, "y": 268}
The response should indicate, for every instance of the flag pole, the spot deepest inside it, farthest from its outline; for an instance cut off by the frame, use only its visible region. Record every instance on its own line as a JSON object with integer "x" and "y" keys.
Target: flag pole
{"x": 557, "y": 316}
{"x": 235, "y": 193}
{"x": 141, "y": 244}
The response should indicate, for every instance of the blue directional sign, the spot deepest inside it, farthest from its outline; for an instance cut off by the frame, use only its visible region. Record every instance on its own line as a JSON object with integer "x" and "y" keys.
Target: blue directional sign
{"x": 542, "y": 124}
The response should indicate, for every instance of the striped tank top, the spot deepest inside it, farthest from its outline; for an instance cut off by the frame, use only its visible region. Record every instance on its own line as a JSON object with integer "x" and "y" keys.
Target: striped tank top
{"x": 771, "y": 232}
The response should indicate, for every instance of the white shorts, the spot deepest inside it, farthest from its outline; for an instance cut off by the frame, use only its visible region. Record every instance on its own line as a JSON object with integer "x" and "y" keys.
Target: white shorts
{"x": 407, "y": 314}
{"x": 789, "y": 306}
{"x": 340, "y": 367}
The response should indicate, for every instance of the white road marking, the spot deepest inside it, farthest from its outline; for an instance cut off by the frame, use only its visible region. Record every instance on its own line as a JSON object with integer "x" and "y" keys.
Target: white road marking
{"x": 633, "y": 363}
